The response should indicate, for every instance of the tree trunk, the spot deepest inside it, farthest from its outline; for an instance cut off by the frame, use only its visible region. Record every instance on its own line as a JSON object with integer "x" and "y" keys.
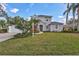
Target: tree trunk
{"x": 33, "y": 29}
{"x": 73, "y": 25}
{"x": 78, "y": 20}
{"x": 67, "y": 19}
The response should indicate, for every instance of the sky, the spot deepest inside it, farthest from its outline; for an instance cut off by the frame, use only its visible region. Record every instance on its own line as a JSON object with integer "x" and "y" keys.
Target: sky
{"x": 28, "y": 9}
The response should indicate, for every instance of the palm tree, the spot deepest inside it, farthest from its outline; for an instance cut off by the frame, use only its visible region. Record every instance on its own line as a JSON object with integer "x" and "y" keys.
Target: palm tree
{"x": 67, "y": 12}
{"x": 77, "y": 7}
{"x": 73, "y": 12}
{"x": 2, "y": 24}
{"x": 3, "y": 14}
{"x": 72, "y": 8}
{"x": 33, "y": 22}
{"x": 19, "y": 22}
{"x": 78, "y": 19}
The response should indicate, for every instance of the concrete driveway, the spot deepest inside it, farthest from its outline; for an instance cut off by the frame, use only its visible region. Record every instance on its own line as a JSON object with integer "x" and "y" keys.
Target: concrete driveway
{"x": 6, "y": 36}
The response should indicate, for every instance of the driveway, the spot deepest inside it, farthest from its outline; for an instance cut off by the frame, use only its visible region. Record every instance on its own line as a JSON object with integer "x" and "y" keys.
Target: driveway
{"x": 6, "y": 36}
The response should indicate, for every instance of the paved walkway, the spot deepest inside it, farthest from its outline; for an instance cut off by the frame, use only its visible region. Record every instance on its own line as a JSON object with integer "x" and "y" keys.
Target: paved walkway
{"x": 6, "y": 36}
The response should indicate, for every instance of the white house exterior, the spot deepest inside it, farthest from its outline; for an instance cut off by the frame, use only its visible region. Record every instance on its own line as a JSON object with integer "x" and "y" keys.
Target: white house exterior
{"x": 45, "y": 23}
{"x": 12, "y": 28}
{"x": 56, "y": 26}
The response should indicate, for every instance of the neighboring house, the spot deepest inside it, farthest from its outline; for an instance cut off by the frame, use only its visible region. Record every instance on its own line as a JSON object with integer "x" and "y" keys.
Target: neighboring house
{"x": 13, "y": 29}
{"x": 45, "y": 23}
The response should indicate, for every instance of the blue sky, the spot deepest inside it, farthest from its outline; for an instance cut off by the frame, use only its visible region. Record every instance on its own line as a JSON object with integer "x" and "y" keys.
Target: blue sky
{"x": 28, "y": 9}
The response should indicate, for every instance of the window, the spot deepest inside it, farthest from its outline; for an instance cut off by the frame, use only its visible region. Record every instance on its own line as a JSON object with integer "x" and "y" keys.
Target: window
{"x": 56, "y": 26}
{"x": 47, "y": 20}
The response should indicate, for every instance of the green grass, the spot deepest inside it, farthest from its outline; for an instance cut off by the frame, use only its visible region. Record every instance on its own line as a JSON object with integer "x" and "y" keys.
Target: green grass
{"x": 42, "y": 44}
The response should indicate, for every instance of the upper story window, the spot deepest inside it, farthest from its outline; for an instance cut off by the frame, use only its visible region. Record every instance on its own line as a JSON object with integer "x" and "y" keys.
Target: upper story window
{"x": 47, "y": 20}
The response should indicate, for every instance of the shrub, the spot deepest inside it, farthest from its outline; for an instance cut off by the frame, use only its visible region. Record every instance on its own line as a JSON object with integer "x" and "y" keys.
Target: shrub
{"x": 22, "y": 35}
{"x": 3, "y": 30}
{"x": 75, "y": 29}
{"x": 68, "y": 30}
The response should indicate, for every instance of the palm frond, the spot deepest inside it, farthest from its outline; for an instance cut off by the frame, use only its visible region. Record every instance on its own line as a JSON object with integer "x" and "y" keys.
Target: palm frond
{"x": 77, "y": 5}
{"x": 65, "y": 12}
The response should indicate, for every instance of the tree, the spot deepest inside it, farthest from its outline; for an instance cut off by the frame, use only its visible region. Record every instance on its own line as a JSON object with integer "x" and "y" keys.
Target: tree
{"x": 10, "y": 21}
{"x": 32, "y": 23}
{"x": 3, "y": 13}
{"x": 2, "y": 24}
{"x": 17, "y": 20}
{"x": 77, "y": 7}
{"x": 73, "y": 12}
{"x": 66, "y": 12}
{"x": 72, "y": 8}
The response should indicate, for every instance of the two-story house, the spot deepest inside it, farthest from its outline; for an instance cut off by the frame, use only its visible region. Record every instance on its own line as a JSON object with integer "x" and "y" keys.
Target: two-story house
{"x": 45, "y": 23}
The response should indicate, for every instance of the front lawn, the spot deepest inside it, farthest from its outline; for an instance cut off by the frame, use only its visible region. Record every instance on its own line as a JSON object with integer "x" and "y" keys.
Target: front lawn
{"x": 42, "y": 44}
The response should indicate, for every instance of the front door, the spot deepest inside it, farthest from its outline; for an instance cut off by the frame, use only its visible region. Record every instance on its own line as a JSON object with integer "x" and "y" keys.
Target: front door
{"x": 41, "y": 27}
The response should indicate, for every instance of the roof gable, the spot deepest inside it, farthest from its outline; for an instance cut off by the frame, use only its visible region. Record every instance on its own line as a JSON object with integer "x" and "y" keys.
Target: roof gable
{"x": 44, "y": 16}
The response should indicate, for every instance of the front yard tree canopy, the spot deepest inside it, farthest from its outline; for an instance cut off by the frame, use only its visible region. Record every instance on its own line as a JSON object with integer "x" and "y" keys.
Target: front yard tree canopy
{"x": 3, "y": 18}
{"x": 2, "y": 24}
{"x": 18, "y": 21}
{"x": 24, "y": 25}
{"x": 73, "y": 8}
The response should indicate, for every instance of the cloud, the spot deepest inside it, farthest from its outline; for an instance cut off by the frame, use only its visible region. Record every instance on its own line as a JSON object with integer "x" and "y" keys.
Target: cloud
{"x": 14, "y": 10}
{"x": 60, "y": 16}
{"x": 72, "y": 17}
{"x": 29, "y": 18}
{"x": 63, "y": 19}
